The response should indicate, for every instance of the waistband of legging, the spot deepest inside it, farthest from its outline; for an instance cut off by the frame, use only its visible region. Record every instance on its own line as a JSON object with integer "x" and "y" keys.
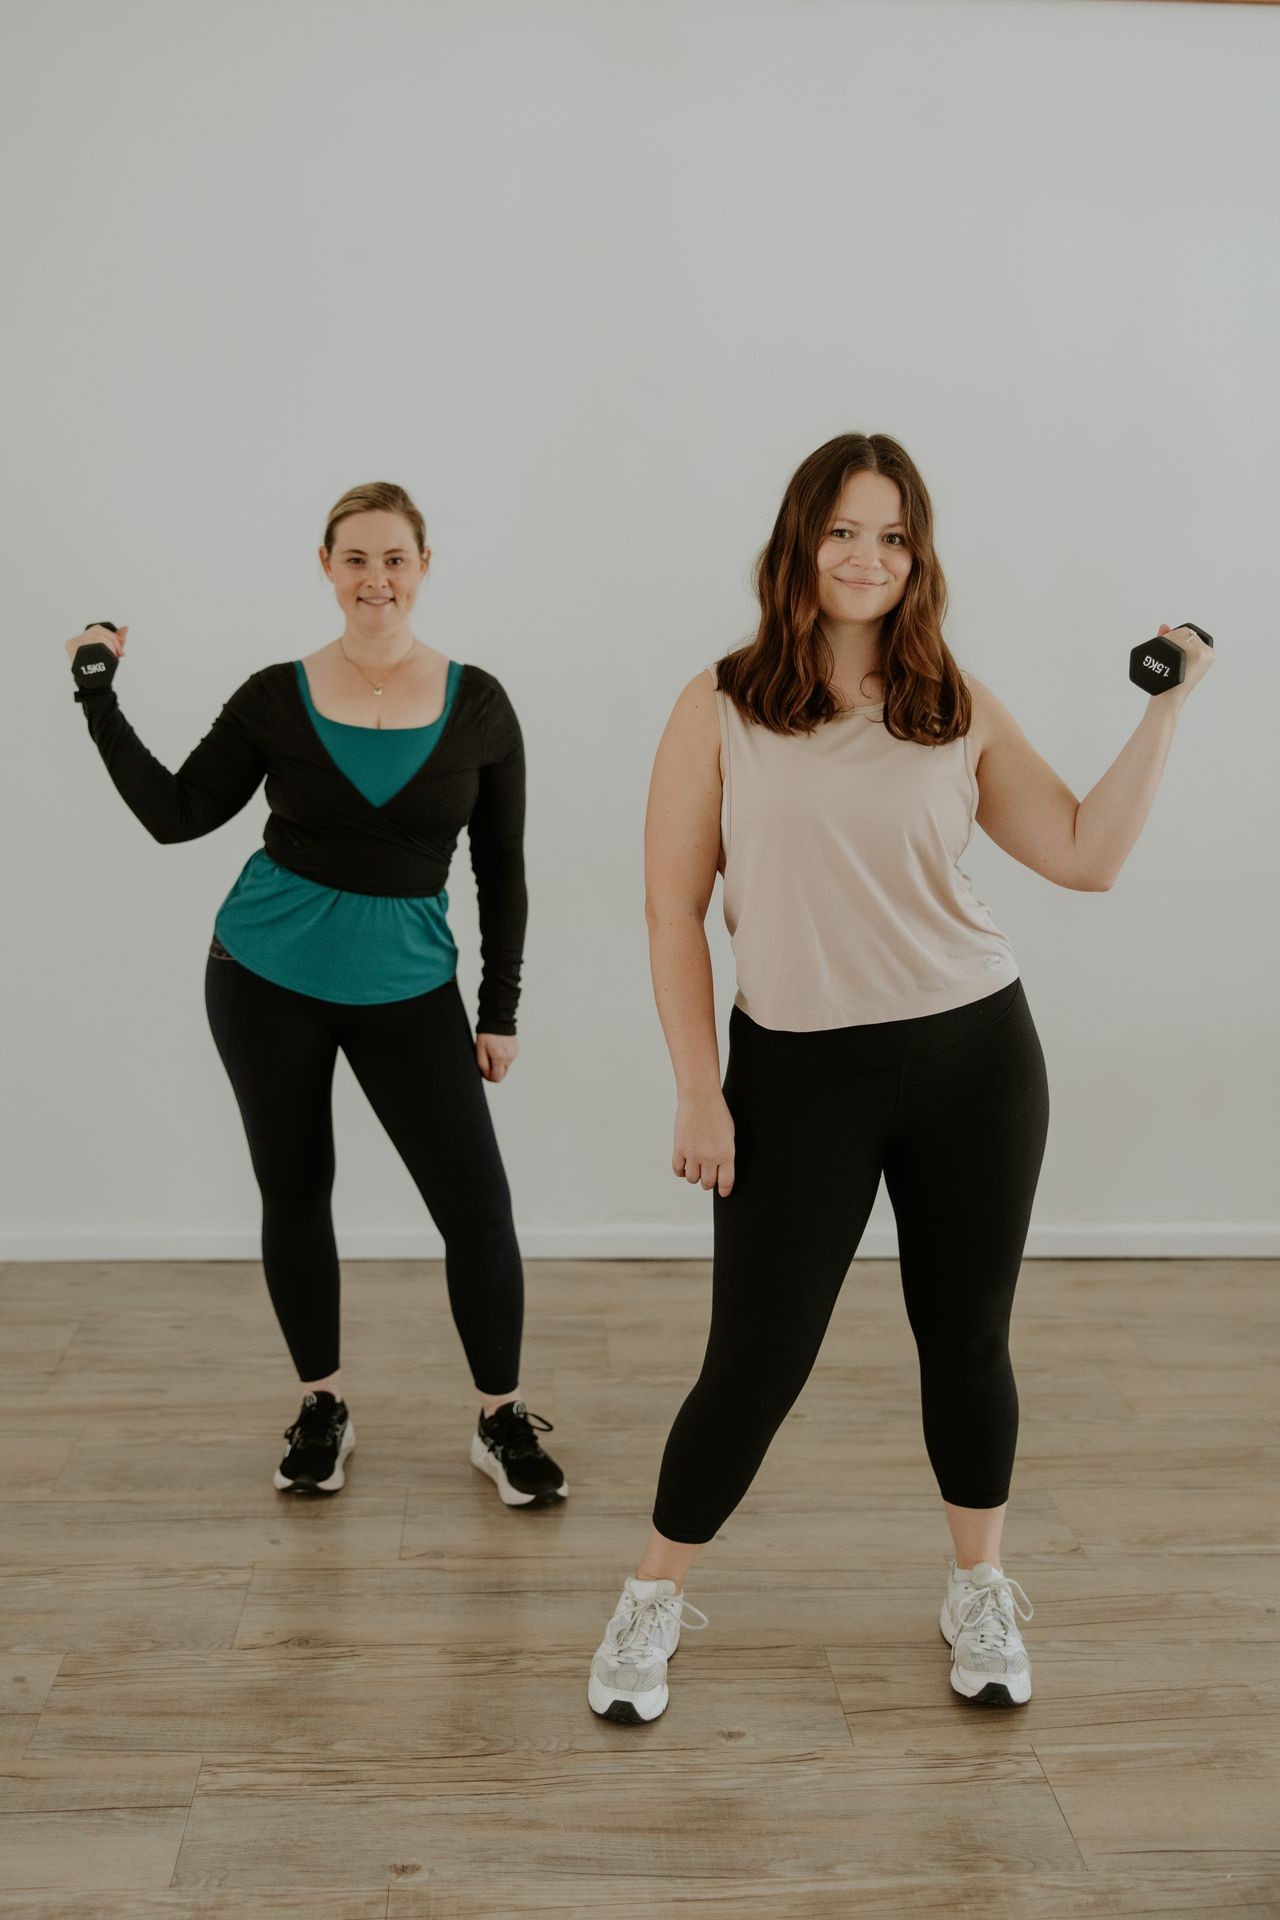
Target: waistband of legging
{"x": 880, "y": 1043}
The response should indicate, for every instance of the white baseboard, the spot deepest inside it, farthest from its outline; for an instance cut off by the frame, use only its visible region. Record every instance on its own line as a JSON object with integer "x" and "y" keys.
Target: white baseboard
{"x": 1173, "y": 1240}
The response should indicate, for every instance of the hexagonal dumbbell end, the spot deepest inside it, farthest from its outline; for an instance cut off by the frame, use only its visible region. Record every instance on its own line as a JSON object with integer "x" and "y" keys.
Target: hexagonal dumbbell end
{"x": 93, "y": 665}
{"x": 1162, "y": 663}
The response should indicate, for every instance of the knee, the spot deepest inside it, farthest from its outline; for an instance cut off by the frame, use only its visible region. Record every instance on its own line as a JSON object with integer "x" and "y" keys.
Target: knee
{"x": 295, "y": 1188}
{"x": 758, "y": 1379}
{"x": 972, "y": 1356}
{"x": 484, "y": 1233}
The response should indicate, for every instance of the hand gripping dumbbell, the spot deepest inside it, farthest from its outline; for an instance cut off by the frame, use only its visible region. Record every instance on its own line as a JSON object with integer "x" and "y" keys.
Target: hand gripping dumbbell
{"x": 1162, "y": 663}
{"x": 93, "y": 665}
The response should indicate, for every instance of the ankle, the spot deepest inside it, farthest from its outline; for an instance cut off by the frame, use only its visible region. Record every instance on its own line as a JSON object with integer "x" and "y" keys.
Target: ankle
{"x": 490, "y": 1402}
{"x": 658, "y": 1574}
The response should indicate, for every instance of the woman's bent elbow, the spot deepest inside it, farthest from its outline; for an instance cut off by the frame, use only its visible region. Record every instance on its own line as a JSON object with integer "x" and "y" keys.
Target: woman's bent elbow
{"x": 170, "y": 833}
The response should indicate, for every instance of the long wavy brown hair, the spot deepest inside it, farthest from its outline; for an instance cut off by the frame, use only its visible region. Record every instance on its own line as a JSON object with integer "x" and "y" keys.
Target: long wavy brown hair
{"x": 782, "y": 678}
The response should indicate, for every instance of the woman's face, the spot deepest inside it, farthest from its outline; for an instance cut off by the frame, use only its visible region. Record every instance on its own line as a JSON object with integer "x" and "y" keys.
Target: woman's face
{"x": 376, "y": 570}
{"x": 866, "y": 539}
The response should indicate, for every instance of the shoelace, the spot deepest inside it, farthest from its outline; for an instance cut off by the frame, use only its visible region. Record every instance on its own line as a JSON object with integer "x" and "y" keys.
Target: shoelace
{"x": 515, "y": 1438}
{"x": 313, "y": 1428}
{"x": 643, "y": 1618}
{"x": 983, "y": 1612}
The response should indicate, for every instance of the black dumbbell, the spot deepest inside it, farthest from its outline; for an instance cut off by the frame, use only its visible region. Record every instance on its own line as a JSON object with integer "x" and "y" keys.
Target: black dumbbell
{"x": 1162, "y": 663}
{"x": 93, "y": 665}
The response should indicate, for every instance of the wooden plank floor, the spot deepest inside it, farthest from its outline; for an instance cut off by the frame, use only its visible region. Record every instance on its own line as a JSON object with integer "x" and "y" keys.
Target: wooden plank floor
{"x": 216, "y": 1701}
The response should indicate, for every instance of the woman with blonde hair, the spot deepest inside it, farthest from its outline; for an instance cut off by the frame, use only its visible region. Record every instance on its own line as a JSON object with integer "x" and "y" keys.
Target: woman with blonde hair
{"x": 832, "y": 771}
{"x": 376, "y": 749}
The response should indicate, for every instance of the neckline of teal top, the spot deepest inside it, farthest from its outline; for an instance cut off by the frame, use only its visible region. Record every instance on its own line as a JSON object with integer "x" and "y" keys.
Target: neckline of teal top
{"x": 378, "y": 761}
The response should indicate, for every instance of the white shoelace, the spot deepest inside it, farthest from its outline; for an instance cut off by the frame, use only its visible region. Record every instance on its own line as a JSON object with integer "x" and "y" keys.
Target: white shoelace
{"x": 982, "y": 1612}
{"x": 643, "y": 1620}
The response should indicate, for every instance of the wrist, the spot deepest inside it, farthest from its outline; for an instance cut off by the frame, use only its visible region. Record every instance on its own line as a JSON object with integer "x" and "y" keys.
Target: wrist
{"x": 1163, "y": 708}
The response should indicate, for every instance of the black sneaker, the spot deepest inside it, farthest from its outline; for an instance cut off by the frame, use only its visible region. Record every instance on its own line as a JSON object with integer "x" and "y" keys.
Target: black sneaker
{"x": 506, "y": 1447}
{"x": 319, "y": 1441}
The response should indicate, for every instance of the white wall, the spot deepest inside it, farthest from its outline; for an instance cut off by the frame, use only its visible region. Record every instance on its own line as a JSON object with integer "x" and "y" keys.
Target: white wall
{"x": 590, "y": 281}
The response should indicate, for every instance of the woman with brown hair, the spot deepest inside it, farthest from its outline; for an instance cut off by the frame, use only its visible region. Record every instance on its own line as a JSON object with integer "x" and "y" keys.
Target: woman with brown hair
{"x": 377, "y": 749}
{"x": 832, "y": 771}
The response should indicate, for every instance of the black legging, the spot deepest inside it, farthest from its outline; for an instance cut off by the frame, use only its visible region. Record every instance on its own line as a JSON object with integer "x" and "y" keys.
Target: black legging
{"x": 953, "y": 1109}
{"x": 415, "y": 1060}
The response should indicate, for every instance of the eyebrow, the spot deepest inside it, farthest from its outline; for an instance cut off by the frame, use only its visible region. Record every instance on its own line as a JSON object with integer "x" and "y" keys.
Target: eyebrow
{"x": 842, "y": 522}
{"x": 360, "y": 550}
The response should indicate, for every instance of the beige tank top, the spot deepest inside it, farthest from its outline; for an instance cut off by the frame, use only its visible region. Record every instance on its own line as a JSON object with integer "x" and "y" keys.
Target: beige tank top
{"x": 843, "y": 894}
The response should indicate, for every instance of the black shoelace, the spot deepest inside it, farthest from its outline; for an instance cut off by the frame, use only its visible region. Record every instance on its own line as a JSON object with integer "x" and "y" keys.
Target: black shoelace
{"x": 314, "y": 1427}
{"x": 511, "y": 1431}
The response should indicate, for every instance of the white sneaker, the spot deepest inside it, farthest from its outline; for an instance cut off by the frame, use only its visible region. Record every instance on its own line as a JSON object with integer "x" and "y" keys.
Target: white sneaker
{"x": 629, "y": 1671}
{"x": 989, "y": 1663}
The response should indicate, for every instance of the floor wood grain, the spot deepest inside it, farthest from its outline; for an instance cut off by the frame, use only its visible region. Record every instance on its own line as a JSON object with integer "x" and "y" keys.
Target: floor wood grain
{"x": 220, "y": 1704}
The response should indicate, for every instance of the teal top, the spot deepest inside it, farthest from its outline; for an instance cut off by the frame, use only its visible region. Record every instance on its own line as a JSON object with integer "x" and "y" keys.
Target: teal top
{"x": 356, "y": 948}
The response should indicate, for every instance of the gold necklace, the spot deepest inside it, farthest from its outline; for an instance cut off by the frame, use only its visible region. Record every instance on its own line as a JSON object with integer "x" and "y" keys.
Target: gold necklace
{"x": 364, "y": 676}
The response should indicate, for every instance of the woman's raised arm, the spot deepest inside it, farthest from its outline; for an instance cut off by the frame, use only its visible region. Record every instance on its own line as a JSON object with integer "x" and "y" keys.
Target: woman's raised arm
{"x": 217, "y": 778}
